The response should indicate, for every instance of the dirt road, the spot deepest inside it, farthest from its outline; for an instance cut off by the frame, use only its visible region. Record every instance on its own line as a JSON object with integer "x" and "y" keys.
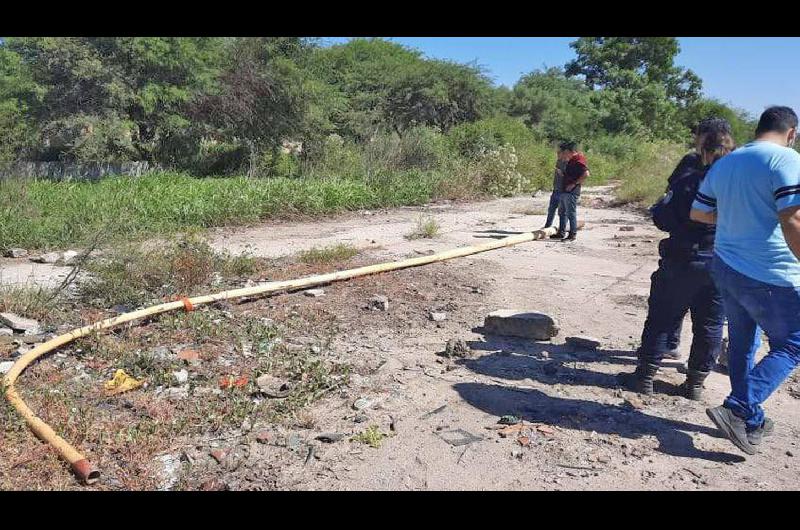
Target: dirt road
{"x": 438, "y": 413}
{"x": 603, "y": 438}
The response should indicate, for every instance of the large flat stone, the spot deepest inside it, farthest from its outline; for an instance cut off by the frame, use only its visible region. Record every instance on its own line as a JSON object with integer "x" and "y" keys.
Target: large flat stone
{"x": 521, "y": 323}
{"x": 19, "y": 323}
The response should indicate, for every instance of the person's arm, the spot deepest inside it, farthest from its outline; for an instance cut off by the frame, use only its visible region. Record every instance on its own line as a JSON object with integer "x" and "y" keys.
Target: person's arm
{"x": 790, "y": 224}
{"x": 699, "y": 216}
{"x": 786, "y": 192}
{"x": 704, "y": 207}
{"x": 578, "y": 182}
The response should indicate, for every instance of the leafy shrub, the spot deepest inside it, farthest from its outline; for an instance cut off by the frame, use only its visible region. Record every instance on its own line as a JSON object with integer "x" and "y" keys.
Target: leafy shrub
{"x": 499, "y": 174}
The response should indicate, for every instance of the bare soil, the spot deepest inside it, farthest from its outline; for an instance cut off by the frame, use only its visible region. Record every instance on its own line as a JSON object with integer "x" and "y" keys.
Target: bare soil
{"x": 439, "y": 415}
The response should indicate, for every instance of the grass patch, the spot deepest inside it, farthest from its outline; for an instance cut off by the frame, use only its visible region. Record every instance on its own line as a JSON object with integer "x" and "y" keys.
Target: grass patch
{"x": 327, "y": 255}
{"x": 372, "y": 437}
{"x": 46, "y": 214}
{"x": 427, "y": 228}
{"x": 134, "y": 275}
{"x": 644, "y": 174}
{"x": 29, "y": 301}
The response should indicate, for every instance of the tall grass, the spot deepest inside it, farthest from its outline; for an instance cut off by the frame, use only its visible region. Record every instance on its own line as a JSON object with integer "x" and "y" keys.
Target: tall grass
{"x": 644, "y": 175}
{"x": 42, "y": 214}
{"x": 490, "y": 157}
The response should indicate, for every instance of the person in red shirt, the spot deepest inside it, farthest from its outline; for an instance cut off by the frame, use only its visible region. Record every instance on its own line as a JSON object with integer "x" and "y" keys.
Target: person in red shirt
{"x": 575, "y": 174}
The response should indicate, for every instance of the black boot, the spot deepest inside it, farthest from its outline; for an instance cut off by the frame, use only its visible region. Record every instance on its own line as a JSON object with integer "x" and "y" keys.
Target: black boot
{"x": 641, "y": 380}
{"x": 558, "y": 235}
{"x": 692, "y": 388}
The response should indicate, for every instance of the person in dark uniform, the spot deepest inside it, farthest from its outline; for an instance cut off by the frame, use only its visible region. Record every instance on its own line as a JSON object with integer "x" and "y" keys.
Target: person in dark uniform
{"x": 692, "y": 162}
{"x": 683, "y": 282}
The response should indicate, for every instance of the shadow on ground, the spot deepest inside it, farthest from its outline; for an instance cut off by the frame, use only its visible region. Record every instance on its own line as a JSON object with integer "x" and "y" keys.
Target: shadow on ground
{"x": 536, "y": 406}
{"x": 519, "y": 359}
{"x": 549, "y": 363}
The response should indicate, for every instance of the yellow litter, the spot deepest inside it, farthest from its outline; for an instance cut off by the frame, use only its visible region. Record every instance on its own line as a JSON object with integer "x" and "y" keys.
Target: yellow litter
{"x": 122, "y": 382}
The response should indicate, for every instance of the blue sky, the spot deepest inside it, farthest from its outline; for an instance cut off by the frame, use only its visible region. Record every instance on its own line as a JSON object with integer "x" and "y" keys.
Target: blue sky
{"x": 747, "y": 72}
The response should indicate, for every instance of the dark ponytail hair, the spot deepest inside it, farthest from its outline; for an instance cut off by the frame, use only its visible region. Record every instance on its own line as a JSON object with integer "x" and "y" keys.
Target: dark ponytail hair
{"x": 717, "y": 144}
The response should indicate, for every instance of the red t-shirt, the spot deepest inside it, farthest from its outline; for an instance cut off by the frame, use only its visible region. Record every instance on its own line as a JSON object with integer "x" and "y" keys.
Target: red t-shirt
{"x": 575, "y": 168}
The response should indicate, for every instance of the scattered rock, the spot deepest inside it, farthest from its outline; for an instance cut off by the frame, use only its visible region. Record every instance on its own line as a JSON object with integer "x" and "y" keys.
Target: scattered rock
{"x": 789, "y": 453}
{"x": 213, "y": 485}
{"x": 364, "y": 403}
{"x": 457, "y": 348}
{"x": 294, "y": 442}
{"x": 181, "y": 376}
{"x": 21, "y": 350}
{"x": 68, "y": 257}
{"x": 204, "y": 391}
{"x": 5, "y": 366}
{"x": 508, "y": 419}
{"x": 162, "y": 353}
{"x": 626, "y": 229}
{"x": 264, "y": 437}
{"x": 582, "y": 341}
{"x": 121, "y": 309}
{"x": 330, "y": 438}
{"x": 191, "y": 357}
{"x": 15, "y": 253}
{"x": 517, "y": 453}
{"x": 168, "y": 474}
{"x": 516, "y": 323}
{"x": 438, "y": 317}
{"x": 315, "y": 293}
{"x": 219, "y": 455}
{"x": 177, "y": 393}
{"x": 316, "y": 350}
{"x": 50, "y": 258}
{"x": 7, "y": 332}
{"x": 18, "y": 323}
{"x": 273, "y": 387}
{"x": 361, "y": 418}
{"x": 380, "y": 303}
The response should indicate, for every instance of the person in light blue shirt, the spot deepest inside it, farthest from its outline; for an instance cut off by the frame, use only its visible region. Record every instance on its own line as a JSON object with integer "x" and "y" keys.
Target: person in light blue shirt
{"x": 753, "y": 196}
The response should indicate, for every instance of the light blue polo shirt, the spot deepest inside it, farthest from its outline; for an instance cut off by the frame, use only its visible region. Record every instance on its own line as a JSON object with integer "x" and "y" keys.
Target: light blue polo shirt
{"x": 748, "y": 188}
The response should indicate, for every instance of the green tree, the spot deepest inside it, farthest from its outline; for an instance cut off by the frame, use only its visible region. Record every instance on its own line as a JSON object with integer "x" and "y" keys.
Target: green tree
{"x": 742, "y": 124}
{"x": 436, "y": 93}
{"x": 140, "y": 84}
{"x": 639, "y": 88}
{"x": 17, "y": 130}
{"x": 262, "y": 98}
{"x": 556, "y": 106}
{"x": 624, "y": 62}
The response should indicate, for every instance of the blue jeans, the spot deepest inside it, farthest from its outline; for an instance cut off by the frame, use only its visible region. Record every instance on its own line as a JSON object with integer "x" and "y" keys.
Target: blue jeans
{"x": 675, "y": 288}
{"x": 555, "y": 204}
{"x": 751, "y": 306}
{"x": 568, "y": 212}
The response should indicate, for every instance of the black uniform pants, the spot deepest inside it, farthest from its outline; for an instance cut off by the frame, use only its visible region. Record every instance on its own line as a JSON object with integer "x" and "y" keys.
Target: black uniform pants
{"x": 675, "y": 288}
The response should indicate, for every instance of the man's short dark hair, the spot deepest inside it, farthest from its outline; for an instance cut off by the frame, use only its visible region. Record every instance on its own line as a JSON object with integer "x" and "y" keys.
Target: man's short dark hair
{"x": 568, "y": 145}
{"x": 713, "y": 125}
{"x": 776, "y": 119}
